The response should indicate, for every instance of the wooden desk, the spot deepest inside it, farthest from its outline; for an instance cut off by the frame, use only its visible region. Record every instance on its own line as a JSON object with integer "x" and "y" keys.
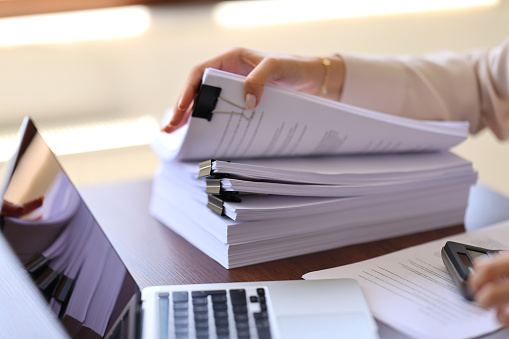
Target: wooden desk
{"x": 156, "y": 255}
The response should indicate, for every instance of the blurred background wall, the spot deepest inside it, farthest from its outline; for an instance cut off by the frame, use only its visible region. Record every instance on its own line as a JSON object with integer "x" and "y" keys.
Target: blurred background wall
{"x": 125, "y": 84}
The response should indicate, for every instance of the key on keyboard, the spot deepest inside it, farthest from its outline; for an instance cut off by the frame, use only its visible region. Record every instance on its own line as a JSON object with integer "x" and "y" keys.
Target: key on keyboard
{"x": 221, "y": 314}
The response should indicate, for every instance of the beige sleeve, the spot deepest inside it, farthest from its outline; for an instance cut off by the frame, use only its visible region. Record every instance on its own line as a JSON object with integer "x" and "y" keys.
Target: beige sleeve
{"x": 472, "y": 86}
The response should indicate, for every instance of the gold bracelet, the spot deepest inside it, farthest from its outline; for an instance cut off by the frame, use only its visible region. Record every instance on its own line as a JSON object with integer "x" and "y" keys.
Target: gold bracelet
{"x": 326, "y": 64}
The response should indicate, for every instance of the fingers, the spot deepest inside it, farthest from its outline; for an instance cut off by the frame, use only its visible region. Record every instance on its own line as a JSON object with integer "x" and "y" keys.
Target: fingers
{"x": 299, "y": 73}
{"x": 32, "y": 205}
{"x": 178, "y": 119}
{"x": 238, "y": 60}
{"x": 503, "y": 315}
{"x": 11, "y": 210}
{"x": 268, "y": 70}
{"x": 493, "y": 294}
{"x": 486, "y": 271}
{"x": 182, "y": 110}
{"x": 16, "y": 210}
{"x": 304, "y": 74}
{"x": 490, "y": 285}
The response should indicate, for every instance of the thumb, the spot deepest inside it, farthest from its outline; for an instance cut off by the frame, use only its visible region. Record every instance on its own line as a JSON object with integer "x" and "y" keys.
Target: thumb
{"x": 266, "y": 71}
{"x": 253, "y": 91}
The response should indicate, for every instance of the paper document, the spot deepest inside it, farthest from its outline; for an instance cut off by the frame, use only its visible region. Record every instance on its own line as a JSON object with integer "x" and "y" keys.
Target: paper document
{"x": 290, "y": 123}
{"x": 296, "y": 224}
{"x": 256, "y": 189}
{"x": 412, "y": 291}
{"x": 310, "y": 190}
{"x": 351, "y": 169}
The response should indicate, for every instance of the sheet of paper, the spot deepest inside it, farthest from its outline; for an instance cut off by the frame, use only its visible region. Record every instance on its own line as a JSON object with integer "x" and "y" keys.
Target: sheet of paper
{"x": 266, "y": 207}
{"x": 451, "y": 194}
{"x": 412, "y": 291}
{"x": 289, "y": 123}
{"x": 351, "y": 169}
{"x": 310, "y": 190}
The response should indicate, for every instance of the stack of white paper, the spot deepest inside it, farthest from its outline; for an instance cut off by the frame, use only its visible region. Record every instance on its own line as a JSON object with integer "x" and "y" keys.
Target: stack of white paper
{"x": 334, "y": 177}
{"x": 268, "y": 227}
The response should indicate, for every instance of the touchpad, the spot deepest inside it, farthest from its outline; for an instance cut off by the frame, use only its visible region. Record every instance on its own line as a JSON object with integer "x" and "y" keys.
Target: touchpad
{"x": 334, "y": 325}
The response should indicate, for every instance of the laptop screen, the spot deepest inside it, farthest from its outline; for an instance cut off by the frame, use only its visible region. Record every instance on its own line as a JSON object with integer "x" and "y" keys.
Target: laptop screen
{"x": 62, "y": 247}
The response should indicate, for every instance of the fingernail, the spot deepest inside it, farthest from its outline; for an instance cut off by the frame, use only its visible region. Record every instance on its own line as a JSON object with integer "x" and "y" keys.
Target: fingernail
{"x": 250, "y": 101}
{"x": 481, "y": 261}
{"x": 179, "y": 106}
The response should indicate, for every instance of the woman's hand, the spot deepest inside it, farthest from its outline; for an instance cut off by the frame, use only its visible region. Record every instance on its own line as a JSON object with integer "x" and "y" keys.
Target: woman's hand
{"x": 305, "y": 74}
{"x": 490, "y": 285}
{"x": 16, "y": 210}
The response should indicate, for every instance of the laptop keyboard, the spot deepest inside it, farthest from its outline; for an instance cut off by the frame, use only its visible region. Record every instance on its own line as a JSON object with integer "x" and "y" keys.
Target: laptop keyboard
{"x": 221, "y": 314}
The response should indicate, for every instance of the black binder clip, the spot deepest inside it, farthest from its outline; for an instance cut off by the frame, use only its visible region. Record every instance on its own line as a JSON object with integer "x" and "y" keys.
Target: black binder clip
{"x": 206, "y": 102}
{"x": 205, "y": 168}
{"x": 36, "y": 265}
{"x": 216, "y": 202}
{"x": 63, "y": 289}
{"x": 213, "y": 186}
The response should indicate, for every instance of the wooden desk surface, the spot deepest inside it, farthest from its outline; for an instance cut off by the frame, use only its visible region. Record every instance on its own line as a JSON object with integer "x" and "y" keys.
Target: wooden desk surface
{"x": 156, "y": 255}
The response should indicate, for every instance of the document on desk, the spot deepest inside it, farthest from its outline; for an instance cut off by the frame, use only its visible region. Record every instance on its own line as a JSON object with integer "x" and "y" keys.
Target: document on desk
{"x": 411, "y": 290}
{"x": 289, "y": 123}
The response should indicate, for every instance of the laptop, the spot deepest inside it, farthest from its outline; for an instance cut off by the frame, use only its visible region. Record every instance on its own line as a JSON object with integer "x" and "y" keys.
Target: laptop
{"x": 91, "y": 294}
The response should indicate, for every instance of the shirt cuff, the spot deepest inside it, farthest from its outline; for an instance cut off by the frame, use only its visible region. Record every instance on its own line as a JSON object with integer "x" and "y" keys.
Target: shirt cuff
{"x": 374, "y": 83}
